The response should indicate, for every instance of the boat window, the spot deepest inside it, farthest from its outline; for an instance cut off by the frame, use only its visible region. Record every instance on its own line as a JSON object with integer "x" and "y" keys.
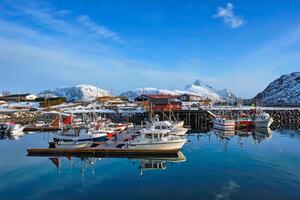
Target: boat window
{"x": 155, "y": 135}
{"x": 163, "y": 127}
{"x": 157, "y": 127}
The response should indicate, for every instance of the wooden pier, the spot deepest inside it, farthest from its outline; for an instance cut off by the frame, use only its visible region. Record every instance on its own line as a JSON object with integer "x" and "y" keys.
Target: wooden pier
{"x": 101, "y": 152}
{"x": 41, "y": 129}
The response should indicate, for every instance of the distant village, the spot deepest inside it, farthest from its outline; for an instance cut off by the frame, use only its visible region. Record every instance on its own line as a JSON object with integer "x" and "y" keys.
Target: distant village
{"x": 147, "y": 102}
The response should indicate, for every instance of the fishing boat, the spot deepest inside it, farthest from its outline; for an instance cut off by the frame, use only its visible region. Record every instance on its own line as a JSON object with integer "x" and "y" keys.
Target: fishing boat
{"x": 263, "y": 119}
{"x": 81, "y": 137}
{"x": 243, "y": 121}
{"x": 74, "y": 134}
{"x": 166, "y": 125}
{"x": 223, "y": 123}
{"x": 156, "y": 139}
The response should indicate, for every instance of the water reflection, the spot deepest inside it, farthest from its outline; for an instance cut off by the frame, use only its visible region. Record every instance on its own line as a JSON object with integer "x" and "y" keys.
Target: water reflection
{"x": 257, "y": 135}
{"x": 146, "y": 163}
{"x": 18, "y": 136}
{"x": 159, "y": 163}
{"x": 261, "y": 134}
{"x": 206, "y": 171}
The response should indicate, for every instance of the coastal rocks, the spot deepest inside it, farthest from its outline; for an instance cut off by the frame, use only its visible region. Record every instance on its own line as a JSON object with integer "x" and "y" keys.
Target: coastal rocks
{"x": 285, "y": 119}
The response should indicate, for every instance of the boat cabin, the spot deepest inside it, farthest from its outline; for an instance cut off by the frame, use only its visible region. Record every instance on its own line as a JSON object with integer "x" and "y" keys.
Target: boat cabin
{"x": 155, "y": 135}
{"x": 162, "y": 127}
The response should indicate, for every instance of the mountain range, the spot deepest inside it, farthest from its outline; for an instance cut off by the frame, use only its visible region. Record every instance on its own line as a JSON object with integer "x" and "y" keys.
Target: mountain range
{"x": 284, "y": 91}
{"x": 89, "y": 92}
{"x": 197, "y": 88}
{"x": 76, "y": 93}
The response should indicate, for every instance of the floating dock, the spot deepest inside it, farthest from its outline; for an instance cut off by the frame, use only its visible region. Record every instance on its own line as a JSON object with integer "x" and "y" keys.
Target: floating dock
{"x": 41, "y": 129}
{"x": 101, "y": 152}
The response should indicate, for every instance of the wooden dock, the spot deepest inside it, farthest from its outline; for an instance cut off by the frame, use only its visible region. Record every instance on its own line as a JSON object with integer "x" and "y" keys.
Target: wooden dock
{"x": 41, "y": 129}
{"x": 101, "y": 152}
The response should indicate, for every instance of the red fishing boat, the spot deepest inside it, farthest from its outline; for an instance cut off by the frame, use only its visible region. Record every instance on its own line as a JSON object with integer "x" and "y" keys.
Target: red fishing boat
{"x": 243, "y": 121}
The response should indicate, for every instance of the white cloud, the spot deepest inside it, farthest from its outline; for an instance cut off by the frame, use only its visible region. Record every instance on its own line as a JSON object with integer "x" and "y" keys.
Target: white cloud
{"x": 46, "y": 16}
{"x": 229, "y": 17}
{"x": 100, "y": 30}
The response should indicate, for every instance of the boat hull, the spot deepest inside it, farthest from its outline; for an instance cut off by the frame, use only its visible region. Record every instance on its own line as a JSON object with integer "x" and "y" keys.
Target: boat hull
{"x": 244, "y": 124}
{"x": 72, "y": 145}
{"x": 263, "y": 123}
{"x": 229, "y": 126}
{"x": 92, "y": 137}
{"x": 159, "y": 145}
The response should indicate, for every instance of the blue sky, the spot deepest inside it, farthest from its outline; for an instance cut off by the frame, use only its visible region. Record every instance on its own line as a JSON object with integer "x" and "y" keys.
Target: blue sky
{"x": 119, "y": 45}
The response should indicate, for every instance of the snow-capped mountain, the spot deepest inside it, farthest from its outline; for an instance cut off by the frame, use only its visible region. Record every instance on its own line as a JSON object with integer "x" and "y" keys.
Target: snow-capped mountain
{"x": 226, "y": 95}
{"x": 203, "y": 90}
{"x": 132, "y": 94}
{"x": 196, "y": 88}
{"x": 76, "y": 93}
{"x": 284, "y": 91}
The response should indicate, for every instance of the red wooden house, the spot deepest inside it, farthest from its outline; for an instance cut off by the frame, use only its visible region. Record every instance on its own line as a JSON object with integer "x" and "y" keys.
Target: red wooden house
{"x": 160, "y": 102}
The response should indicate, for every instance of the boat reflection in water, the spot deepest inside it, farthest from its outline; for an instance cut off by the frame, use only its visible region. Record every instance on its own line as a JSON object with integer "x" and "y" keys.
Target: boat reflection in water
{"x": 146, "y": 163}
{"x": 258, "y": 135}
{"x": 261, "y": 134}
{"x": 4, "y": 136}
{"x": 224, "y": 136}
{"x": 83, "y": 163}
{"x": 159, "y": 163}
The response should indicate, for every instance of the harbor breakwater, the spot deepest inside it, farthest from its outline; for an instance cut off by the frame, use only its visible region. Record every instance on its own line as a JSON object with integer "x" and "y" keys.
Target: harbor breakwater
{"x": 202, "y": 119}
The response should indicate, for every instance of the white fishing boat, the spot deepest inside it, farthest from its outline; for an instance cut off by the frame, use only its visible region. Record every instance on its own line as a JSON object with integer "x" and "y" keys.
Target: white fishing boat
{"x": 223, "y": 123}
{"x": 166, "y": 125}
{"x": 81, "y": 137}
{"x": 263, "y": 119}
{"x": 156, "y": 139}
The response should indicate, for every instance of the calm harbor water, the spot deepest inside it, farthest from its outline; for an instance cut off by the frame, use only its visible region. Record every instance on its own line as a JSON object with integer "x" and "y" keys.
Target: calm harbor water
{"x": 214, "y": 165}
